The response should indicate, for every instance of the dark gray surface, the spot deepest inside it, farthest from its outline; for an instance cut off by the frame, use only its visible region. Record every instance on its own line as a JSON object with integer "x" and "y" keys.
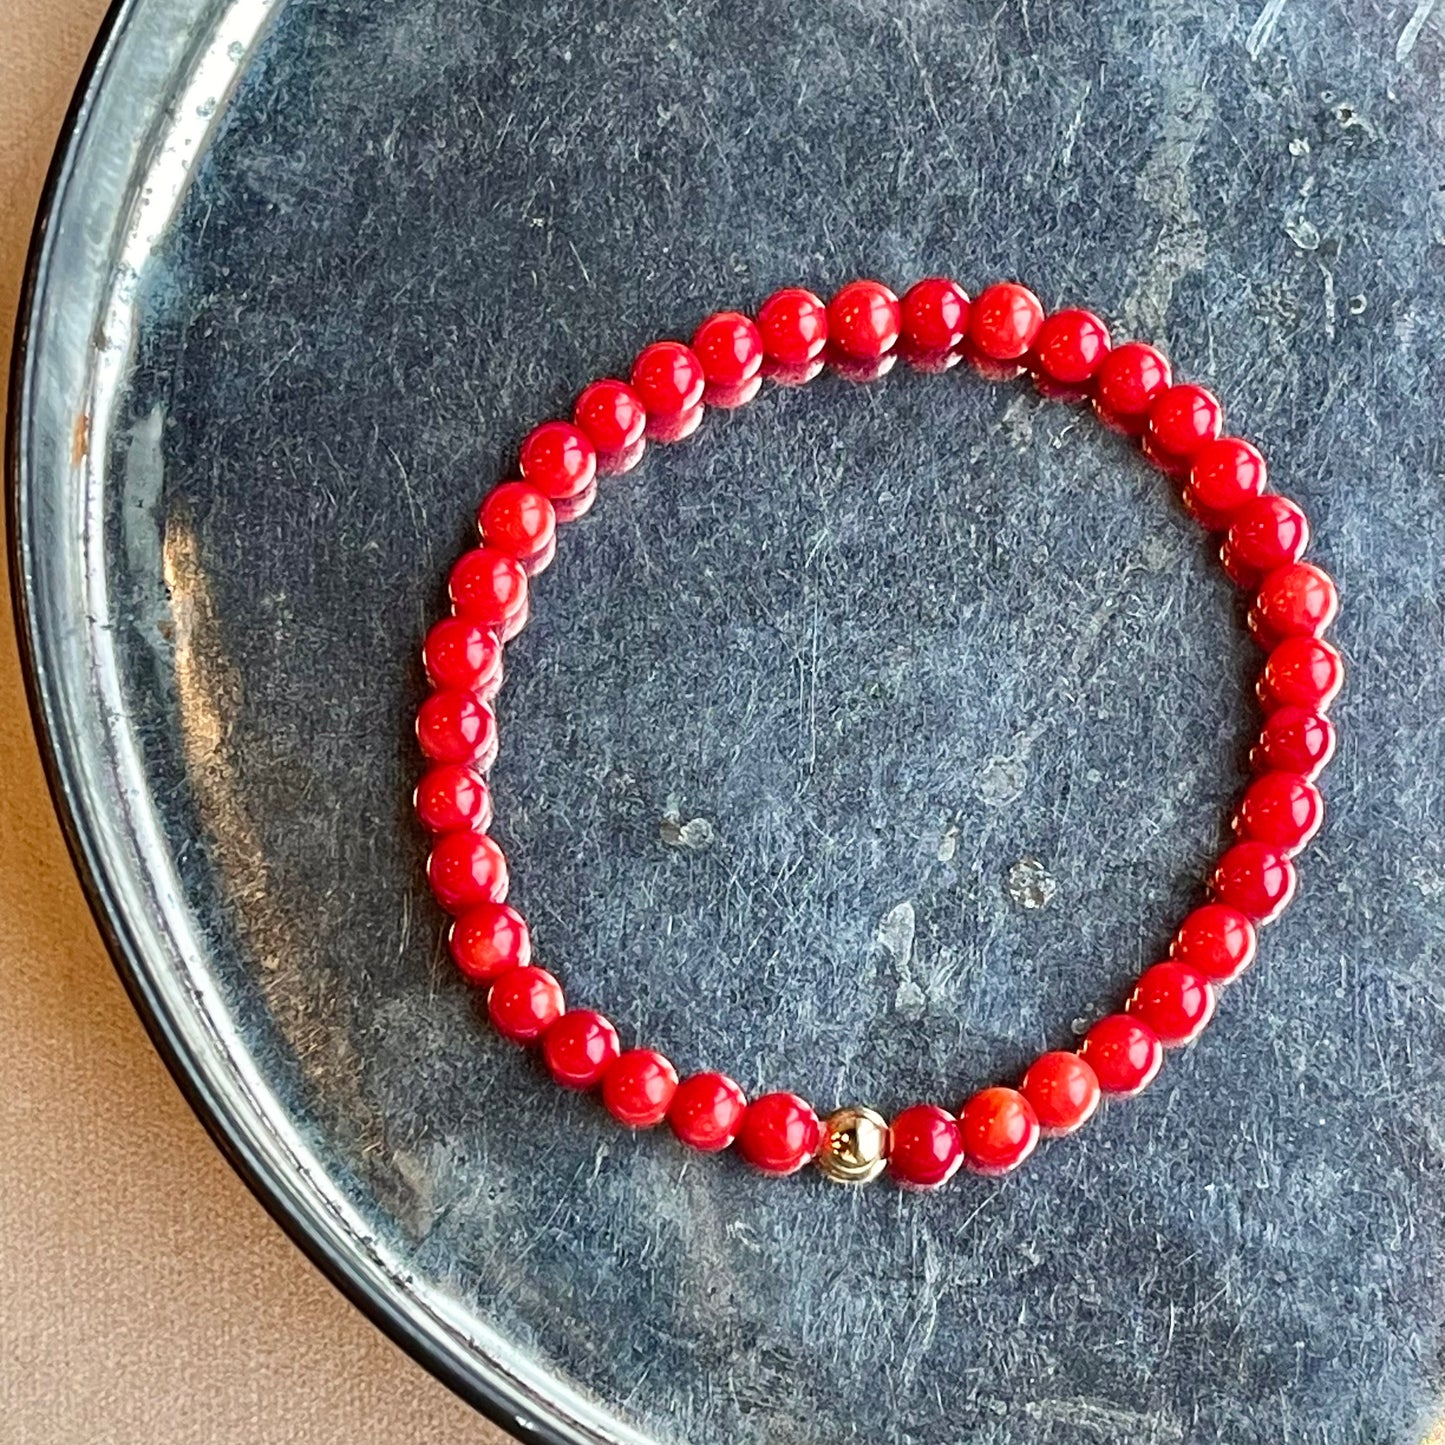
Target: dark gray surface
{"x": 888, "y": 641}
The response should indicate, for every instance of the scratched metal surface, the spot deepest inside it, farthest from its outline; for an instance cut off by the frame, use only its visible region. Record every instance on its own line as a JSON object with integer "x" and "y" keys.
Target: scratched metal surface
{"x": 887, "y": 644}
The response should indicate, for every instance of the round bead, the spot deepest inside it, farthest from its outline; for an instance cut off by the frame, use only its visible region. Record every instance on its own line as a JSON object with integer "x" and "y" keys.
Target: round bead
{"x": 1063, "y": 1091}
{"x": 730, "y": 348}
{"x": 463, "y": 656}
{"x": 457, "y": 727}
{"x": 524, "y": 1004}
{"x": 1126, "y": 384}
{"x": 559, "y": 460}
{"x": 779, "y": 1133}
{"x": 488, "y": 941}
{"x": 516, "y": 518}
{"x": 925, "y": 1147}
{"x": 1124, "y": 1054}
{"x": 466, "y": 869}
{"x": 579, "y": 1048}
{"x": 1000, "y": 1130}
{"x": 1294, "y": 740}
{"x": 707, "y": 1111}
{"x": 854, "y": 1146}
{"x": 1282, "y": 809}
{"x": 864, "y": 320}
{"x": 490, "y": 588}
{"x": 637, "y": 1088}
{"x": 1256, "y": 878}
{"x": 1225, "y": 476}
{"x": 1216, "y": 941}
{"x": 1070, "y": 347}
{"x": 934, "y": 315}
{"x": 668, "y": 379}
{"x": 1296, "y": 600}
{"x": 1004, "y": 322}
{"x": 1265, "y": 533}
{"x": 1181, "y": 421}
{"x": 793, "y": 324}
{"x": 1174, "y": 1000}
{"x": 1301, "y": 672}
{"x": 452, "y": 797}
{"x": 612, "y": 415}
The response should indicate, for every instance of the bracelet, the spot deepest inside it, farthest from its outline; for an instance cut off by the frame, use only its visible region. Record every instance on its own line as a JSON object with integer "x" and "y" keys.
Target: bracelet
{"x": 1004, "y": 333}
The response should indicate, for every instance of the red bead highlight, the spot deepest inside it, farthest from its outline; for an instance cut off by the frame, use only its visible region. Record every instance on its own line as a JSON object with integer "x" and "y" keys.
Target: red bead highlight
{"x": 1070, "y": 347}
{"x": 864, "y": 320}
{"x": 1294, "y": 740}
{"x": 490, "y": 588}
{"x": 524, "y": 1004}
{"x": 793, "y": 324}
{"x": 1000, "y": 1130}
{"x": 1301, "y": 672}
{"x": 1256, "y": 878}
{"x": 1282, "y": 809}
{"x": 466, "y": 869}
{"x": 637, "y": 1089}
{"x": 579, "y": 1048}
{"x": 1296, "y": 600}
{"x": 1181, "y": 421}
{"x": 559, "y": 460}
{"x": 934, "y": 315}
{"x": 1216, "y": 941}
{"x": 1174, "y": 1000}
{"x": 1005, "y": 321}
{"x": 452, "y": 797}
{"x": 925, "y": 1147}
{"x": 1063, "y": 1090}
{"x": 517, "y": 519}
{"x": 488, "y": 941}
{"x": 457, "y": 727}
{"x": 463, "y": 656}
{"x": 668, "y": 379}
{"x": 779, "y": 1133}
{"x": 707, "y": 1112}
{"x": 1265, "y": 533}
{"x": 612, "y": 415}
{"x": 1126, "y": 384}
{"x": 1124, "y": 1053}
{"x": 1225, "y": 477}
{"x": 730, "y": 348}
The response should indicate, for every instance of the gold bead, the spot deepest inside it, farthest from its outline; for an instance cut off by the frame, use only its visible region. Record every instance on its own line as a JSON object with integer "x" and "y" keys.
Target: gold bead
{"x": 855, "y": 1141}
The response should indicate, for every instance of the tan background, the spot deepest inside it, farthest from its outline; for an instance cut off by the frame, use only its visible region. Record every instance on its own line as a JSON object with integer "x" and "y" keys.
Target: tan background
{"x": 145, "y": 1297}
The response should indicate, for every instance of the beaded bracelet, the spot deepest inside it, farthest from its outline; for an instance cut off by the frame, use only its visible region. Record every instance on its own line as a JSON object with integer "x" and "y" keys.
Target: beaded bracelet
{"x": 1003, "y": 334}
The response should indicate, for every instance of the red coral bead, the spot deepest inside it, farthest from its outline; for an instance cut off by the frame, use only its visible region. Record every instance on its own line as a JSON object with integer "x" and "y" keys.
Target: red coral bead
{"x": 707, "y": 1112}
{"x": 559, "y": 460}
{"x": 637, "y": 1089}
{"x": 452, "y": 797}
{"x": 1265, "y": 533}
{"x": 1174, "y": 1000}
{"x": 1301, "y": 672}
{"x": 1124, "y": 1053}
{"x": 488, "y": 941}
{"x": 793, "y": 323}
{"x": 1225, "y": 476}
{"x": 1000, "y": 1130}
{"x": 612, "y": 415}
{"x": 1004, "y": 322}
{"x": 516, "y": 518}
{"x": 490, "y": 588}
{"x": 1256, "y": 878}
{"x": 1296, "y": 600}
{"x": 1294, "y": 740}
{"x": 579, "y": 1048}
{"x": 466, "y": 869}
{"x": 463, "y": 656}
{"x": 1282, "y": 809}
{"x": 1126, "y": 384}
{"x": 1063, "y": 1090}
{"x": 934, "y": 315}
{"x": 1182, "y": 420}
{"x": 864, "y": 320}
{"x": 779, "y": 1133}
{"x": 668, "y": 379}
{"x": 1218, "y": 942}
{"x": 1070, "y": 347}
{"x": 925, "y": 1147}
{"x": 730, "y": 348}
{"x": 524, "y": 1004}
{"x": 457, "y": 727}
